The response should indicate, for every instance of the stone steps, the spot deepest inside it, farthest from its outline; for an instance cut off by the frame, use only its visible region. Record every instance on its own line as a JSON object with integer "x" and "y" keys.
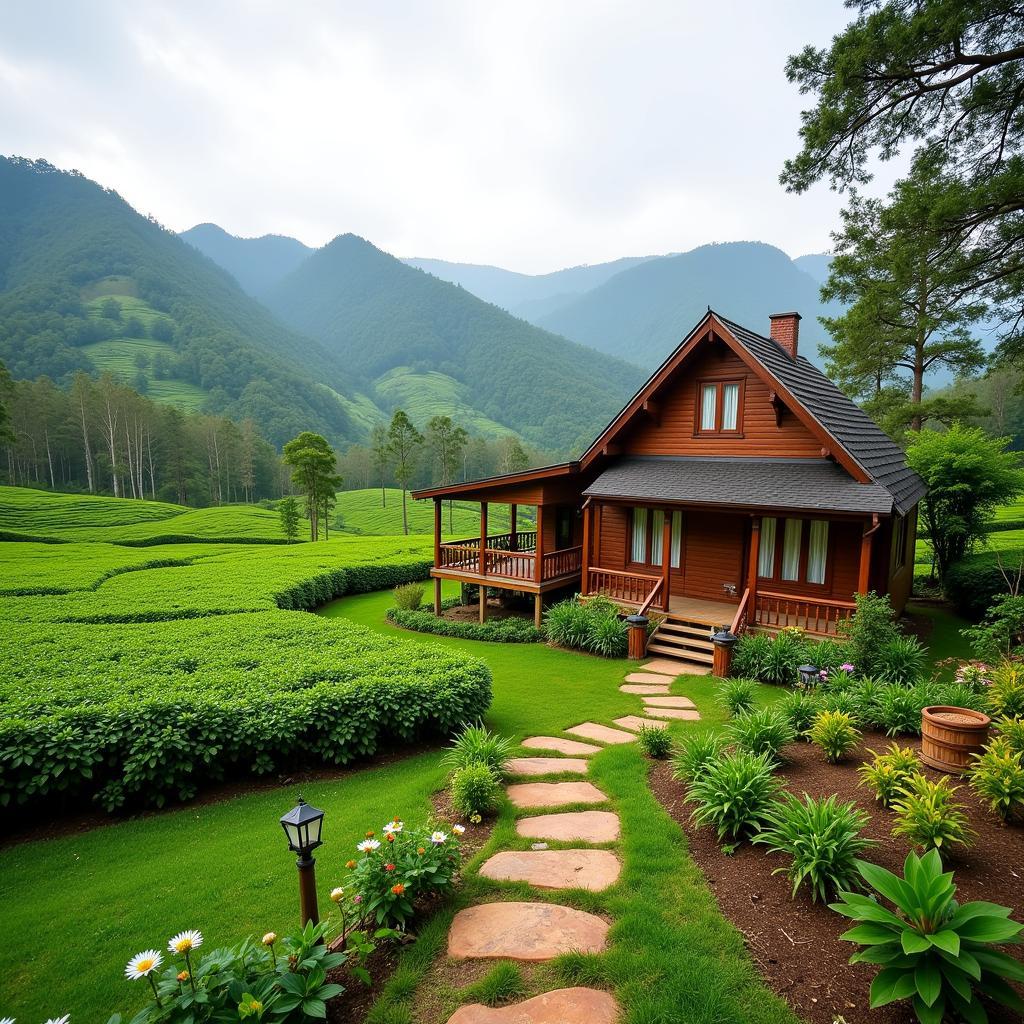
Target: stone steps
{"x": 553, "y": 794}
{"x": 572, "y": 826}
{"x": 560, "y": 745}
{"x": 546, "y": 765}
{"x": 562, "y": 1006}
{"x": 601, "y": 733}
{"x": 555, "y": 869}
{"x": 530, "y": 932}
{"x": 635, "y": 723}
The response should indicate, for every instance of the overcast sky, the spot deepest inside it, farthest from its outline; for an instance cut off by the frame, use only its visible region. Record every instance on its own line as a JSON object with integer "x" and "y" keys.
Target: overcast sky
{"x": 528, "y": 135}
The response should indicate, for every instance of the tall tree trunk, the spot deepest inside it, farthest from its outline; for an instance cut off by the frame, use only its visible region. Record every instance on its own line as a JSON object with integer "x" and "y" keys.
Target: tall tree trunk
{"x": 405, "y": 513}
{"x": 149, "y": 455}
{"x": 86, "y": 446}
{"x": 49, "y": 457}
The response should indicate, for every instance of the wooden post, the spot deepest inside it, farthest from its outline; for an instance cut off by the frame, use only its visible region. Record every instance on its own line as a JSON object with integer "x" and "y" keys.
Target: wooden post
{"x": 755, "y": 552}
{"x": 666, "y": 559}
{"x": 637, "y": 636}
{"x": 538, "y": 609}
{"x": 513, "y": 542}
{"x": 483, "y": 538}
{"x": 437, "y": 555}
{"x": 724, "y": 642}
{"x": 864, "y": 575}
{"x": 483, "y": 602}
{"x": 588, "y": 513}
{"x": 538, "y": 551}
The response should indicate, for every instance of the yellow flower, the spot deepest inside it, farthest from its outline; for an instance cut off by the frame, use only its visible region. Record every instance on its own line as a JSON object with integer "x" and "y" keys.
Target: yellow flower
{"x": 182, "y": 975}
{"x": 270, "y": 938}
{"x": 337, "y": 894}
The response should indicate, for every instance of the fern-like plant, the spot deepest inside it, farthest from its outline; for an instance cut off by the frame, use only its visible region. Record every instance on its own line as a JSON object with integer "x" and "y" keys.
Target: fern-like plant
{"x": 928, "y": 816}
{"x": 887, "y": 774}
{"x": 1012, "y": 730}
{"x": 1006, "y": 691}
{"x": 765, "y": 731}
{"x": 835, "y": 733}
{"x": 733, "y": 794}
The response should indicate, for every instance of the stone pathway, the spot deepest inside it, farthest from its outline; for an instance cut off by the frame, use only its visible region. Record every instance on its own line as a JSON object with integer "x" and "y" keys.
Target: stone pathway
{"x": 533, "y": 932}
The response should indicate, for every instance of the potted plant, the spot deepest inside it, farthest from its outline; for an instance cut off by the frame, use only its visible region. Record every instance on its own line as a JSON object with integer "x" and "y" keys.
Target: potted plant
{"x": 951, "y": 736}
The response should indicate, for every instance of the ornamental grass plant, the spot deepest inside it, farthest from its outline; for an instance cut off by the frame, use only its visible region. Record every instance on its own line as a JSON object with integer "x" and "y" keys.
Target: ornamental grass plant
{"x": 835, "y": 733}
{"x": 888, "y": 773}
{"x": 929, "y": 817}
{"x": 733, "y": 794}
{"x": 764, "y": 731}
{"x": 737, "y": 695}
{"x": 694, "y": 752}
{"x": 476, "y": 744}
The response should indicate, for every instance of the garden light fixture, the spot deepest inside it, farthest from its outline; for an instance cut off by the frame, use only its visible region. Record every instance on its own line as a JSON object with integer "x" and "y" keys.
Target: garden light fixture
{"x": 810, "y": 675}
{"x": 303, "y": 825}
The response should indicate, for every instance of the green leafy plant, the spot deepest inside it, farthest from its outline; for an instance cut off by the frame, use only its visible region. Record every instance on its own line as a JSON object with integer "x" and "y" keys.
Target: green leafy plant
{"x": 899, "y": 710}
{"x": 733, "y": 794}
{"x": 960, "y": 695}
{"x": 928, "y": 816}
{"x": 930, "y": 949}
{"x": 827, "y": 654}
{"x": 1001, "y": 633}
{"x": 867, "y": 632}
{"x": 409, "y": 596}
{"x": 784, "y": 656}
{"x": 865, "y": 696}
{"x": 737, "y": 695}
{"x": 900, "y": 660}
{"x": 887, "y": 774}
{"x": 476, "y": 744}
{"x": 835, "y": 733}
{"x": 474, "y": 791}
{"x": 997, "y": 776}
{"x": 694, "y": 752}
{"x": 749, "y": 655}
{"x": 1012, "y": 730}
{"x": 800, "y": 708}
{"x": 510, "y": 630}
{"x": 1006, "y": 691}
{"x": 843, "y": 701}
{"x": 822, "y": 839}
{"x": 654, "y": 742}
{"x": 594, "y": 625}
{"x": 765, "y": 731}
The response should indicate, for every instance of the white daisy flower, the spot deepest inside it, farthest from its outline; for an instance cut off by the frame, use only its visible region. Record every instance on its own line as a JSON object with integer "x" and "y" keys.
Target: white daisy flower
{"x": 393, "y": 827}
{"x": 53, "y": 1020}
{"x": 185, "y": 942}
{"x": 368, "y": 845}
{"x": 7, "y": 1020}
{"x": 143, "y": 964}
{"x": 337, "y": 895}
{"x": 458, "y": 829}
{"x": 437, "y": 838}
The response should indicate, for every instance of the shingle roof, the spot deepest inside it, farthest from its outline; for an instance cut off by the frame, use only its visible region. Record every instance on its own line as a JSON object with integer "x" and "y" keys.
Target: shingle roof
{"x": 881, "y": 457}
{"x": 763, "y": 483}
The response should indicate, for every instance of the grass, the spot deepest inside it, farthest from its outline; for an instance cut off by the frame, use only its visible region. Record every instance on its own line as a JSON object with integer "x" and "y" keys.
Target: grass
{"x": 943, "y": 637}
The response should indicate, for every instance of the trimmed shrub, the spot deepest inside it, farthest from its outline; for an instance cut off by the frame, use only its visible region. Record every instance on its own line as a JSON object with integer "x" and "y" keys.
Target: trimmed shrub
{"x": 476, "y": 744}
{"x": 822, "y": 839}
{"x": 887, "y": 774}
{"x": 694, "y": 753}
{"x": 834, "y": 732}
{"x": 409, "y": 596}
{"x": 654, "y": 742}
{"x": 511, "y": 630}
{"x": 761, "y": 732}
{"x": 737, "y": 695}
{"x": 474, "y": 791}
{"x": 800, "y": 708}
{"x": 733, "y": 794}
{"x": 975, "y": 583}
{"x": 997, "y": 776}
{"x": 868, "y": 631}
{"x": 928, "y": 817}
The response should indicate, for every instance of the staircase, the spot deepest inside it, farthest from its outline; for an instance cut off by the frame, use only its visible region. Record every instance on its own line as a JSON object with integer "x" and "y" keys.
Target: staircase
{"x": 686, "y": 641}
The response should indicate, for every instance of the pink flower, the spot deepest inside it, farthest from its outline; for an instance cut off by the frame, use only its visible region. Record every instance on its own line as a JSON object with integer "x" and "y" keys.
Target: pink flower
{"x": 846, "y": 667}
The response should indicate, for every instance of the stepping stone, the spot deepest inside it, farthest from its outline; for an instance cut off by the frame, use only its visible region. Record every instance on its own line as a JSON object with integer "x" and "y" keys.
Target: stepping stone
{"x": 574, "y": 826}
{"x": 650, "y": 677}
{"x": 665, "y": 667}
{"x": 643, "y": 688}
{"x": 601, "y": 733}
{"x": 554, "y": 794}
{"x": 669, "y": 702}
{"x": 546, "y": 765}
{"x": 560, "y": 745}
{"x": 563, "y": 1006}
{"x": 636, "y": 723}
{"x": 555, "y": 869}
{"x": 524, "y": 931}
{"x": 684, "y": 714}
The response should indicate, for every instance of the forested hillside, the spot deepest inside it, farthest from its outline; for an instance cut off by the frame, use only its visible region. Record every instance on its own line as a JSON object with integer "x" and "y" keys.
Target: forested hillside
{"x": 643, "y": 313}
{"x": 65, "y": 242}
{"x": 255, "y": 263}
{"x": 375, "y": 313}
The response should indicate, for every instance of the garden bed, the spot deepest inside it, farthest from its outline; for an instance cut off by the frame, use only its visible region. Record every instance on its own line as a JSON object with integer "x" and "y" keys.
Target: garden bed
{"x": 796, "y": 942}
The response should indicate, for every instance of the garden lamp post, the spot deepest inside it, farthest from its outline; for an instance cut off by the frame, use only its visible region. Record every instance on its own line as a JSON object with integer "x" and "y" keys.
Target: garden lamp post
{"x": 302, "y": 825}
{"x": 810, "y": 676}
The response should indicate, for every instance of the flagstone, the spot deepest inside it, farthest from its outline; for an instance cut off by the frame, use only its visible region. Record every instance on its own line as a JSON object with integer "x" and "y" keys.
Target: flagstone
{"x": 546, "y": 765}
{"x": 562, "y": 1006}
{"x": 683, "y": 714}
{"x": 636, "y": 723}
{"x": 555, "y": 869}
{"x": 524, "y": 931}
{"x": 554, "y": 794}
{"x": 669, "y": 702}
{"x": 571, "y": 826}
{"x": 559, "y": 745}
{"x": 601, "y": 733}
{"x": 643, "y": 688}
{"x": 657, "y": 678}
{"x": 665, "y": 667}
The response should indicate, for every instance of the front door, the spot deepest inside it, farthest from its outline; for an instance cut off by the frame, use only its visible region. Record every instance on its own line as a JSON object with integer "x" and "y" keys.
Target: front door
{"x": 565, "y": 516}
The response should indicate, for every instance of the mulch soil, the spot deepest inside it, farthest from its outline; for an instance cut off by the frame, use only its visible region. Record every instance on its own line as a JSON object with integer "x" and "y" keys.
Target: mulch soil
{"x": 354, "y": 1004}
{"x": 795, "y": 942}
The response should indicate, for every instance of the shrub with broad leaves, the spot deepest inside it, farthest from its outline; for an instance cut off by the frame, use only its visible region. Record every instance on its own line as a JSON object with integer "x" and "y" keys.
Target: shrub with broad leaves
{"x": 929, "y": 949}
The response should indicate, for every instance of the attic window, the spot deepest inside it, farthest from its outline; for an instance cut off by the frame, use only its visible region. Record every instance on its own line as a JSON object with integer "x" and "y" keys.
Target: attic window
{"x": 719, "y": 407}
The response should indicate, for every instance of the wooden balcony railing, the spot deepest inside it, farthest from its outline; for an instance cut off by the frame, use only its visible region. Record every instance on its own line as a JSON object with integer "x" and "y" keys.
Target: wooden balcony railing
{"x": 561, "y": 563}
{"x": 813, "y": 615}
{"x": 620, "y": 586}
{"x": 655, "y": 593}
{"x": 739, "y": 620}
{"x": 525, "y": 540}
{"x": 502, "y": 561}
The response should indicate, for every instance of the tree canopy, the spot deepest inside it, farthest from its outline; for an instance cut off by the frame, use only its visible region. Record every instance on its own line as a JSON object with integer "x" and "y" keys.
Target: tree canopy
{"x": 313, "y": 463}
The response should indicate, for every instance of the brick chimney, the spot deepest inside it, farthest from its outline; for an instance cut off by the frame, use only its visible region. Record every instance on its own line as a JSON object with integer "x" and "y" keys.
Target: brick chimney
{"x": 786, "y": 331}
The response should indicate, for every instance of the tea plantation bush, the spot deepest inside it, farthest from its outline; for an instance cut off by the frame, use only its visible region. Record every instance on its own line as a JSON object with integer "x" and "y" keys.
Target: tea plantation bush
{"x": 512, "y": 630}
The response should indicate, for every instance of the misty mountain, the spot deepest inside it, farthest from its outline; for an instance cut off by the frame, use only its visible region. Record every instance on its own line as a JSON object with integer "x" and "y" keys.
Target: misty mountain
{"x": 642, "y": 313}
{"x": 381, "y": 317}
{"x": 255, "y": 263}
{"x": 816, "y": 264}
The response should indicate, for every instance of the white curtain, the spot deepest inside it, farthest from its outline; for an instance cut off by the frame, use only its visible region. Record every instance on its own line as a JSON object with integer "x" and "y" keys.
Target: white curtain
{"x": 766, "y": 551}
{"x": 791, "y": 549}
{"x": 677, "y": 540}
{"x": 657, "y": 536}
{"x": 638, "y": 551}
{"x": 730, "y": 406}
{"x": 817, "y": 551}
{"x": 707, "y": 406}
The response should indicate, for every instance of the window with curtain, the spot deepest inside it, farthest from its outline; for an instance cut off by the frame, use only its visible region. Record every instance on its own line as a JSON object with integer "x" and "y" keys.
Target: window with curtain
{"x": 708, "y": 407}
{"x": 900, "y": 542}
{"x": 766, "y": 550}
{"x": 657, "y": 536}
{"x": 730, "y": 406}
{"x": 817, "y": 551}
{"x": 638, "y": 548}
{"x": 676, "y": 554}
{"x": 791, "y": 549}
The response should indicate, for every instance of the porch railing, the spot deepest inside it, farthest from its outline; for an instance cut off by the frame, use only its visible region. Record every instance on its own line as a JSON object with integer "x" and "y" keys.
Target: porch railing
{"x": 653, "y": 596}
{"x": 813, "y": 615}
{"x": 505, "y": 562}
{"x": 561, "y": 563}
{"x": 525, "y": 540}
{"x": 620, "y": 586}
{"x": 739, "y": 620}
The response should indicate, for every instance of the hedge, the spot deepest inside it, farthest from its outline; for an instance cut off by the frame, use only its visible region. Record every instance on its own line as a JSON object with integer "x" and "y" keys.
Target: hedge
{"x": 973, "y": 583}
{"x": 513, "y": 630}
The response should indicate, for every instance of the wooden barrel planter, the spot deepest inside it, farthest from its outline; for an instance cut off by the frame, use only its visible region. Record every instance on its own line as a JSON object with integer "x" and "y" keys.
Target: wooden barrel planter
{"x": 950, "y": 736}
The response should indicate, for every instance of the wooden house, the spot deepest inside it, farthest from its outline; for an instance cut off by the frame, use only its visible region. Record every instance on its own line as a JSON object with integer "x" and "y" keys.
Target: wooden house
{"x": 738, "y": 487}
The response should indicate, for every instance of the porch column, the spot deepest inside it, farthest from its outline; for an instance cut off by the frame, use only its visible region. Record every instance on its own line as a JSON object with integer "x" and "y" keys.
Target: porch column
{"x": 538, "y": 609}
{"x": 437, "y": 555}
{"x": 755, "y": 552}
{"x": 538, "y": 554}
{"x": 666, "y": 559}
{"x": 588, "y": 512}
{"x": 864, "y": 574}
{"x": 483, "y": 602}
{"x": 483, "y": 539}
{"x": 513, "y": 543}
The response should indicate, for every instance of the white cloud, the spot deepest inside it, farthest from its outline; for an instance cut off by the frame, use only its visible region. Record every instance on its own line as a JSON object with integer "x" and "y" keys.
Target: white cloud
{"x": 531, "y": 135}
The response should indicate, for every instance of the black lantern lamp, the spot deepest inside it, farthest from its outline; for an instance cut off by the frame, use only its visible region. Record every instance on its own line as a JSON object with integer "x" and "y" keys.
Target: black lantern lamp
{"x": 809, "y": 676}
{"x": 303, "y": 825}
